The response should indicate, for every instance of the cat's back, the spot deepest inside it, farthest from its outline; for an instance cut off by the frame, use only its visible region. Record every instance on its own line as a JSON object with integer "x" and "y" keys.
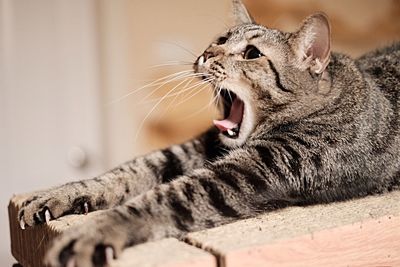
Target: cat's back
{"x": 392, "y": 49}
{"x": 383, "y": 67}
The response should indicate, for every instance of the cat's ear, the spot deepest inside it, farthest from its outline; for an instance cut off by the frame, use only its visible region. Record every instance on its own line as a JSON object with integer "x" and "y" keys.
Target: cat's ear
{"x": 313, "y": 43}
{"x": 240, "y": 13}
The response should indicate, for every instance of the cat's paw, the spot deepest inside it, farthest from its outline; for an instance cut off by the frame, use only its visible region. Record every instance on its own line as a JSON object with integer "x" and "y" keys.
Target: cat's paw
{"x": 86, "y": 245}
{"x": 44, "y": 206}
{"x": 96, "y": 242}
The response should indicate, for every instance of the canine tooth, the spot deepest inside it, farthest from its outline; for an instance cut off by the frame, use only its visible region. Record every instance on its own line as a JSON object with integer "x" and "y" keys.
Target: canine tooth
{"x": 47, "y": 216}
{"x": 22, "y": 224}
{"x": 230, "y": 132}
{"x": 109, "y": 254}
{"x": 86, "y": 207}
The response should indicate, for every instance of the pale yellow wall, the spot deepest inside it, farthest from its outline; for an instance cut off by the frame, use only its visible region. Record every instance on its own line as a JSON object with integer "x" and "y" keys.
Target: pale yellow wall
{"x": 357, "y": 25}
{"x": 49, "y": 98}
{"x": 135, "y": 36}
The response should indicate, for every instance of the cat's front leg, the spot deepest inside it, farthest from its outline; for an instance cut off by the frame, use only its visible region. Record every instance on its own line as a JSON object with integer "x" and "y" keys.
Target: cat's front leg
{"x": 120, "y": 184}
{"x": 234, "y": 187}
{"x": 75, "y": 198}
{"x": 105, "y": 191}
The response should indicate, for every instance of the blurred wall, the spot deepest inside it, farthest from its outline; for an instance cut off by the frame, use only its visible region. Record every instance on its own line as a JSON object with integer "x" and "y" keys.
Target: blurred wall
{"x": 66, "y": 65}
{"x": 51, "y": 127}
{"x": 136, "y": 36}
{"x": 357, "y": 25}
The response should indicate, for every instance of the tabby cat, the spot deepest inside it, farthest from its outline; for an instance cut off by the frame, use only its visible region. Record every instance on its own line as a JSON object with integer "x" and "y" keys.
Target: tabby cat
{"x": 301, "y": 125}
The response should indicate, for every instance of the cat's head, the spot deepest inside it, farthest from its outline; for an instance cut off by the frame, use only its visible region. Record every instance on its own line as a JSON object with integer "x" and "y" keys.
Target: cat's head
{"x": 264, "y": 75}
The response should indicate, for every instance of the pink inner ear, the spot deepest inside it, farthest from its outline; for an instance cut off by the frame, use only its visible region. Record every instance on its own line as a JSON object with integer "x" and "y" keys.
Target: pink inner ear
{"x": 320, "y": 46}
{"x": 313, "y": 43}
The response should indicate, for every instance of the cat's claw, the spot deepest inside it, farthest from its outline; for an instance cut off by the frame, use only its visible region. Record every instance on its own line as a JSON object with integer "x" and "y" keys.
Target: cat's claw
{"x": 47, "y": 216}
{"x": 22, "y": 223}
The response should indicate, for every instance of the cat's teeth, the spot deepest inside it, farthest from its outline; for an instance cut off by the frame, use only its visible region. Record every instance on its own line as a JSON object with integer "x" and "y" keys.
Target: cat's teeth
{"x": 230, "y": 132}
{"x": 86, "y": 207}
{"x": 22, "y": 224}
{"x": 201, "y": 60}
{"x": 71, "y": 263}
{"x": 47, "y": 216}
{"x": 109, "y": 254}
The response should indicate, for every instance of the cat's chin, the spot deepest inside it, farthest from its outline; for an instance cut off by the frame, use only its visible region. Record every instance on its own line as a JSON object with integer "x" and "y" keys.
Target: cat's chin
{"x": 237, "y": 121}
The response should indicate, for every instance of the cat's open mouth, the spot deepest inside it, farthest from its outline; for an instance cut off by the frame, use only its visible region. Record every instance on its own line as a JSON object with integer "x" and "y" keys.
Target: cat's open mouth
{"x": 233, "y": 114}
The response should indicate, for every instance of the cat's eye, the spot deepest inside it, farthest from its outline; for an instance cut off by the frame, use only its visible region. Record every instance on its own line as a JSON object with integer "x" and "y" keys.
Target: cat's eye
{"x": 252, "y": 52}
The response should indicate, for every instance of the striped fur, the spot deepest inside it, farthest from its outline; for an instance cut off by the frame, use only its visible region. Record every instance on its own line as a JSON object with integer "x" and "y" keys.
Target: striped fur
{"x": 316, "y": 138}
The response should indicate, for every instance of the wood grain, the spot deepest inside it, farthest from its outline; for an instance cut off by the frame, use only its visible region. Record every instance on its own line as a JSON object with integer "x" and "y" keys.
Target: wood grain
{"x": 366, "y": 244}
{"x": 360, "y": 232}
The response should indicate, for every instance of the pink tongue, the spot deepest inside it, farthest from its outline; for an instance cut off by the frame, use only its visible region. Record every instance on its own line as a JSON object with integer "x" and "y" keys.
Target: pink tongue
{"x": 234, "y": 118}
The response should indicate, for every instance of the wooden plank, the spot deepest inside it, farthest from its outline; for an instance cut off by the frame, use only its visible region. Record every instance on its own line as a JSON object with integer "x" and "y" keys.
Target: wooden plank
{"x": 372, "y": 243}
{"x": 362, "y": 232}
{"x": 30, "y": 245}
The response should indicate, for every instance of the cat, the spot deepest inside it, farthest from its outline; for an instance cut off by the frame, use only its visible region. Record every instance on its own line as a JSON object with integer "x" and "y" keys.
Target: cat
{"x": 301, "y": 125}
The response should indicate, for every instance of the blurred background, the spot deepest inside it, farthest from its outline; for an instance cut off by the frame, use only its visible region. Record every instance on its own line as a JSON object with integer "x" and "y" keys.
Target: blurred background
{"x": 66, "y": 67}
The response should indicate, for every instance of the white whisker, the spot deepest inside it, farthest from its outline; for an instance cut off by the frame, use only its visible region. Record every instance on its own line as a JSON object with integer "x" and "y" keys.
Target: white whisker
{"x": 172, "y": 63}
{"x": 215, "y": 18}
{"x": 154, "y": 107}
{"x": 156, "y": 89}
{"x": 185, "y": 89}
{"x": 180, "y": 46}
{"x": 199, "y": 111}
{"x": 173, "y": 76}
{"x": 205, "y": 83}
{"x": 178, "y": 94}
